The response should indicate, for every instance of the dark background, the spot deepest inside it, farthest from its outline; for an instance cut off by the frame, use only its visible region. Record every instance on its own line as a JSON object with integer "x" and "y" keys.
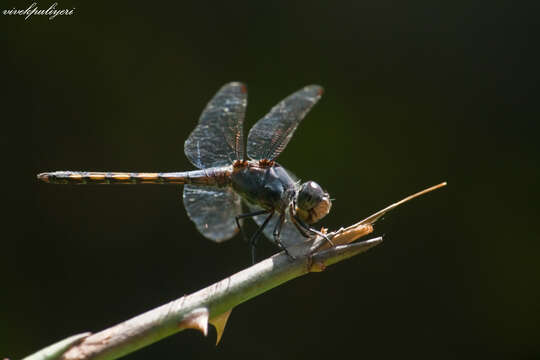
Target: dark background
{"x": 416, "y": 93}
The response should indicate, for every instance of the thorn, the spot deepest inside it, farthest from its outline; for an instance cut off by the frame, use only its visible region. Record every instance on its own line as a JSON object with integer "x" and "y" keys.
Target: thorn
{"x": 322, "y": 259}
{"x": 219, "y": 323}
{"x": 196, "y": 319}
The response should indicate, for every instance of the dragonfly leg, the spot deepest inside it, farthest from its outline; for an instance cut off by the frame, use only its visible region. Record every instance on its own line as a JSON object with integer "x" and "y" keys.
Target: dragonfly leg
{"x": 300, "y": 228}
{"x": 298, "y": 223}
{"x": 303, "y": 227}
{"x": 317, "y": 232}
{"x": 255, "y": 237}
{"x": 242, "y": 216}
{"x": 277, "y": 233}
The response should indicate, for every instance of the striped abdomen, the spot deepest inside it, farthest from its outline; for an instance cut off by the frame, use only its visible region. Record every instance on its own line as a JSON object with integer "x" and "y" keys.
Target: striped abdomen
{"x": 210, "y": 177}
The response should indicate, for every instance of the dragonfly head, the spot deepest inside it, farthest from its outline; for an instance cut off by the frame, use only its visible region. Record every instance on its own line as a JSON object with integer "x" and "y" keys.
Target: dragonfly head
{"x": 312, "y": 202}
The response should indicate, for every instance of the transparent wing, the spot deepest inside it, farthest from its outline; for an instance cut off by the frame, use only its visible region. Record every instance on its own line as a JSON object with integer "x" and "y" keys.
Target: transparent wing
{"x": 218, "y": 138}
{"x": 271, "y": 134}
{"x": 213, "y": 210}
{"x": 289, "y": 233}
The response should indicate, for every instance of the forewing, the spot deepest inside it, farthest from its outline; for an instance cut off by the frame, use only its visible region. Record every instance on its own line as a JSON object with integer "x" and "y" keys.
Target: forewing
{"x": 271, "y": 134}
{"x": 213, "y": 210}
{"x": 218, "y": 138}
{"x": 289, "y": 233}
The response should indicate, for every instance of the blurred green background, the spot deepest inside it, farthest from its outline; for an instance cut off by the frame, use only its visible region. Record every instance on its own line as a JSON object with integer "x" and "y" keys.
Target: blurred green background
{"x": 416, "y": 93}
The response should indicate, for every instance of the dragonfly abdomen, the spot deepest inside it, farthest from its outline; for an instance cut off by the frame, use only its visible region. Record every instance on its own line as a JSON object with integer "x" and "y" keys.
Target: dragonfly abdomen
{"x": 209, "y": 177}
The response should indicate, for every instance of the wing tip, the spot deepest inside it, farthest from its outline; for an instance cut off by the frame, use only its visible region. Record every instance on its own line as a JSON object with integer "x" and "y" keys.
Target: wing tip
{"x": 314, "y": 88}
{"x": 220, "y": 238}
{"x": 237, "y": 84}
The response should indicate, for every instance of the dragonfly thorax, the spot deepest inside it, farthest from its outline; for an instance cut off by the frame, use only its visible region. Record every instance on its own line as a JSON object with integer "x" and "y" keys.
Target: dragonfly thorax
{"x": 266, "y": 186}
{"x": 312, "y": 202}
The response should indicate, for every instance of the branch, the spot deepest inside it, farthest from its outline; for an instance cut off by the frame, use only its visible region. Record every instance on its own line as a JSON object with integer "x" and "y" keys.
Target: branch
{"x": 214, "y": 303}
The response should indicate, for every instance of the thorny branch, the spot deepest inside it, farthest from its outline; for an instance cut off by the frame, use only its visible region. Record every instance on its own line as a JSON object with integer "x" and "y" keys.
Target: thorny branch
{"x": 214, "y": 303}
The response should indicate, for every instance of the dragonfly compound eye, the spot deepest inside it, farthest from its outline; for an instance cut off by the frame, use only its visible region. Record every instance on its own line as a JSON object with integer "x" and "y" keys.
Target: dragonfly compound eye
{"x": 312, "y": 202}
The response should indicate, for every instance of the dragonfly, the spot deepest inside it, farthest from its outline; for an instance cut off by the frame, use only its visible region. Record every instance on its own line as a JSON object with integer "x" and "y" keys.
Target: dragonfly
{"x": 230, "y": 174}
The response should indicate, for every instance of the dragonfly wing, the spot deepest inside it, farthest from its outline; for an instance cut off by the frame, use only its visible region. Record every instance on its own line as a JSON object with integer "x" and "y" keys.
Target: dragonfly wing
{"x": 271, "y": 134}
{"x": 289, "y": 233}
{"x": 218, "y": 138}
{"x": 213, "y": 210}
